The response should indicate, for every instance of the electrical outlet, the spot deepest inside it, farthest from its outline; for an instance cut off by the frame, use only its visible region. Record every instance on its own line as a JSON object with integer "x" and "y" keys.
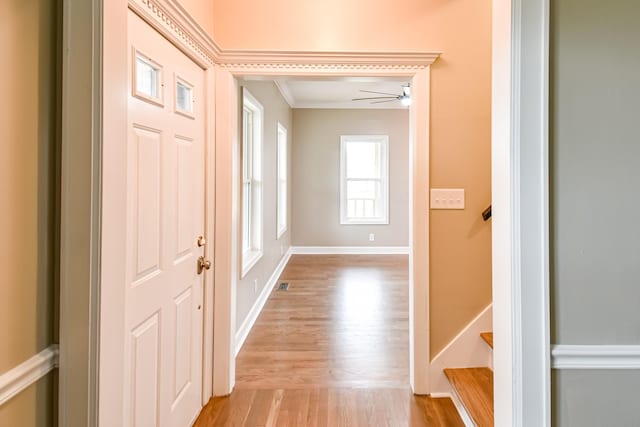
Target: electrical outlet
{"x": 372, "y": 237}
{"x": 447, "y": 198}
{"x": 255, "y": 285}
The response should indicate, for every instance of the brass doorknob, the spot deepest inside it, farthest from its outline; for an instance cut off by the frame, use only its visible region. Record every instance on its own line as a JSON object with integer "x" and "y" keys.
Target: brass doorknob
{"x": 203, "y": 264}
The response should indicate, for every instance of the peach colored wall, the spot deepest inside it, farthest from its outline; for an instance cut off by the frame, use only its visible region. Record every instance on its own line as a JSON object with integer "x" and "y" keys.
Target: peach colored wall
{"x": 28, "y": 129}
{"x": 201, "y": 11}
{"x": 32, "y": 407}
{"x": 27, "y": 182}
{"x": 460, "y": 113}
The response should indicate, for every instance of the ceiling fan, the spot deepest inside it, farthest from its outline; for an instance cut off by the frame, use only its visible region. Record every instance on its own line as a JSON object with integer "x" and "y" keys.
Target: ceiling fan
{"x": 405, "y": 98}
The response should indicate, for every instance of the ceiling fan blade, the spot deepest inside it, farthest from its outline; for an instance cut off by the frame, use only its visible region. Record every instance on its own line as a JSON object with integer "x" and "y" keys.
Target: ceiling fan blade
{"x": 377, "y": 97}
{"x": 388, "y": 100}
{"x": 381, "y": 93}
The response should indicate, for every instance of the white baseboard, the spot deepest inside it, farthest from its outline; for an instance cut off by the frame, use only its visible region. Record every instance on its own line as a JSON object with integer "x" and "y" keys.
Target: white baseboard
{"x": 27, "y": 373}
{"x": 350, "y": 250}
{"x": 243, "y": 331}
{"x": 595, "y": 356}
{"x": 466, "y": 418}
{"x": 466, "y": 350}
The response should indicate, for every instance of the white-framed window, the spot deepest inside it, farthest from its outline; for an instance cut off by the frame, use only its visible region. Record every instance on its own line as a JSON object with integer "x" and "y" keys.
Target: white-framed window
{"x": 183, "y": 97}
{"x": 364, "y": 179}
{"x": 252, "y": 131}
{"x": 148, "y": 79}
{"x": 282, "y": 181}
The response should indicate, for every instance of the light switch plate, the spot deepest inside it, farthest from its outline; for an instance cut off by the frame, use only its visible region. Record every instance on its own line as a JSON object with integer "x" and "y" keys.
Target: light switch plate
{"x": 447, "y": 198}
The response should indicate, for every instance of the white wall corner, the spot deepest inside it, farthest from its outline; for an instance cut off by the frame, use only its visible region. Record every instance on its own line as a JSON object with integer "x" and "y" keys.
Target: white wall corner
{"x": 243, "y": 331}
{"x": 283, "y": 87}
{"x": 466, "y": 350}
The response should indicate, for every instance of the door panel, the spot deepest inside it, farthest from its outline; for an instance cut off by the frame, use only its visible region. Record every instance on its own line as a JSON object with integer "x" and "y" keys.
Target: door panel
{"x": 147, "y": 220}
{"x": 165, "y": 211}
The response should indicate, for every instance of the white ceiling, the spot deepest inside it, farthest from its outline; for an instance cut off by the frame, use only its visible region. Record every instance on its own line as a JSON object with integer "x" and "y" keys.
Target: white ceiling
{"x": 339, "y": 93}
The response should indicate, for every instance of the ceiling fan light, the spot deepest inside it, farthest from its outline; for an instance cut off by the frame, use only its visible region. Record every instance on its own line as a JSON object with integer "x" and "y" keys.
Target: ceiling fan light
{"x": 405, "y": 100}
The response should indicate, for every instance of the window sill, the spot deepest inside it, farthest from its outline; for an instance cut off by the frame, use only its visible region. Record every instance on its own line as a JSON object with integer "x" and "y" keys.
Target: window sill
{"x": 249, "y": 260}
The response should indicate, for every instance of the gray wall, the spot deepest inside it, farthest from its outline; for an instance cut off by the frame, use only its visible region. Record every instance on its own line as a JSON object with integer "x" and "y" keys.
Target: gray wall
{"x": 595, "y": 182}
{"x": 595, "y": 398}
{"x": 276, "y": 110}
{"x": 316, "y": 181}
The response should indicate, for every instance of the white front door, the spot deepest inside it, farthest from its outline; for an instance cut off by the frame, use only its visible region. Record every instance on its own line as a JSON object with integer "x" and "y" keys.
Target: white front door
{"x": 165, "y": 217}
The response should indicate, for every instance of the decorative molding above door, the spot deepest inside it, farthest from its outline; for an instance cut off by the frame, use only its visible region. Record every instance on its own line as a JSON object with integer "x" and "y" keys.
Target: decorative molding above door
{"x": 172, "y": 21}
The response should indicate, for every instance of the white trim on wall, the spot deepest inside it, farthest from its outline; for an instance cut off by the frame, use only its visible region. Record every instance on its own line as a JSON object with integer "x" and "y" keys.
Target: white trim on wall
{"x": 520, "y": 194}
{"x": 28, "y": 372}
{"x": 350, "y": 250}
{"x": 595, "y": 356}
{"x": 243, "y": 331}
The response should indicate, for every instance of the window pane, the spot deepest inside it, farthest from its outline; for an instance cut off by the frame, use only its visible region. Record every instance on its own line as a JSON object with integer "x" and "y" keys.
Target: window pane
{"x": 282, "y": 157}
{"x": 146, "y": 78}
{"x": 361, "y": 189}
{"x": 282, "y": 205}
{"x": 282, "y": 180}
{"x": 363, "y": 160}
{"x": 247, "y": 143}
{"x": 184, "y": 100}
{"x": 246, "y": 216}
{"x": 363, "y": 199}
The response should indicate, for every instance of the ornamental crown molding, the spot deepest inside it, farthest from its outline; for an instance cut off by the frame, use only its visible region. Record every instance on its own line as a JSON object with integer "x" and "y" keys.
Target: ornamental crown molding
{"x": 176, "y": 24}
{"x": 288, "y": 61}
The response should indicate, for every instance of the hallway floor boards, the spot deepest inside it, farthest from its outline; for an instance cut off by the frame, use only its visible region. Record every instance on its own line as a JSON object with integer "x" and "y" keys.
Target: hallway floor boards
{"x": 332, "y": 350}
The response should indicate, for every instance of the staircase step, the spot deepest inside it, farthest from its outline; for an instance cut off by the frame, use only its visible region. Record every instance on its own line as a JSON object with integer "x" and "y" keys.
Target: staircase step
{"x": 488, "y": 337}
{"x": 474, "y": 387}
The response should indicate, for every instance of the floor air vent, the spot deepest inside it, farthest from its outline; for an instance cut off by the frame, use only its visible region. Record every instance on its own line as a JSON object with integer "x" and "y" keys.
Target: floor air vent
{"x": 283, "y": 286}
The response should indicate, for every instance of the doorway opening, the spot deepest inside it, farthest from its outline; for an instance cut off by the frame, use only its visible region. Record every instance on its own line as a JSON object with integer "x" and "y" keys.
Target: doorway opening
{"x": 325, "y": 182}
{"x": 229, "y": 97}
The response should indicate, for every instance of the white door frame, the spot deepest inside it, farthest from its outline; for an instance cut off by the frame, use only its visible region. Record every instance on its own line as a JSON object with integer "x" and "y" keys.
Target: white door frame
{"x": 520, "y": 188}
{"x": 232, "y": 65}
{"x": 91, "y": 205}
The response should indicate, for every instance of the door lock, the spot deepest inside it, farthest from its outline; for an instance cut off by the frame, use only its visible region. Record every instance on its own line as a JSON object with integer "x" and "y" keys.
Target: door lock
{"x": 203, "y": 264}
{"x": 201, "y": 241}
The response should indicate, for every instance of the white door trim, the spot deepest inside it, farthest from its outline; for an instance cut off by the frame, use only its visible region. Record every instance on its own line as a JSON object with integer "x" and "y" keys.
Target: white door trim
{"x": 521, "y": 212}
{"x": 80, "y": 212}
{"x": 414, "y": 66}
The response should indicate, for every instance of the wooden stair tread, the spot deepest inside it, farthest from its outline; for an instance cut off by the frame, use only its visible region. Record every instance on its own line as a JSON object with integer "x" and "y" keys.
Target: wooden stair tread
{"x": 474, "y": 387}
{"x": 488, "y": 338}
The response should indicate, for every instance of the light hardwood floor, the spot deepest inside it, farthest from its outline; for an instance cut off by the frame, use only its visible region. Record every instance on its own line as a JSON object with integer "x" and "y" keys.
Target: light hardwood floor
{"x": 332, "y": 350}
